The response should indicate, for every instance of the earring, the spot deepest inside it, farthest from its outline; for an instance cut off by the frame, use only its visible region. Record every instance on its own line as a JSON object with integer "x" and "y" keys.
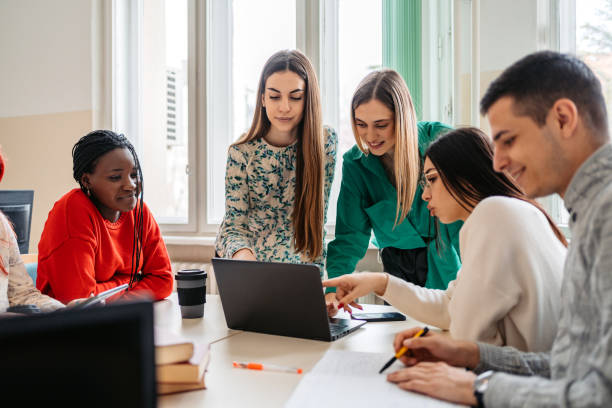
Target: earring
{"x": 88, "y": 192}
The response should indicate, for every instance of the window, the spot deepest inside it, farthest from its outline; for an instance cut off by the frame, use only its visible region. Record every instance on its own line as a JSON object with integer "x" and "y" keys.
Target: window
{"x": 355, "y": 35}
{"x": 590, "y": 38}
{"x": 339, "y": 42}
{"x": 594, "y": 42}
{"x": 243, "y": 35}
{"x": 151, "y": 99}
{"x": 165, "y": 143}
{"x": 185, "y": 74}
{"x": 358, "y": 51}
{"x": 560, "y": 25}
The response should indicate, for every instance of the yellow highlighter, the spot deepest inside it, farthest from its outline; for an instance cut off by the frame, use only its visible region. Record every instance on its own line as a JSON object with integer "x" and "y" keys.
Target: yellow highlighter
{"x": 403, "y": 350}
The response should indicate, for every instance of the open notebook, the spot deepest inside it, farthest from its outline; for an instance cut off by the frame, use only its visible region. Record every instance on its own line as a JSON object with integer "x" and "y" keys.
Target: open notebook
{"x": 351, "y": 379}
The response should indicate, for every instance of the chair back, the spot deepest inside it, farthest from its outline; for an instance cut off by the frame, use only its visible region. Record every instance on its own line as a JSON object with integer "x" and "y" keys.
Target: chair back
{"x": 17, "y": 206}
{"x": 31, "y": 264}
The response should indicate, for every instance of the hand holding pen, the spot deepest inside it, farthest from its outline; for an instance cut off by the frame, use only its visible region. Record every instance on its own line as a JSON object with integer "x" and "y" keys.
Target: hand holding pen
{"x": 400, "y": 353}
{"x": 436, "y": 347}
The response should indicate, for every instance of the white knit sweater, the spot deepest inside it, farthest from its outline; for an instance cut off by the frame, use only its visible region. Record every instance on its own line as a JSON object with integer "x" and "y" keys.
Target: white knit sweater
{"x": 16, "y": 286}
{"x": 507, "y": 291}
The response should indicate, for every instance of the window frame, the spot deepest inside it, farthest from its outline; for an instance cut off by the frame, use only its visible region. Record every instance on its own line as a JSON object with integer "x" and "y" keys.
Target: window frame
{"x": 559, "y": 17}
{"x": 119, "y": 49}
{"x": 437, "y": 66}
{"x": 556, "y": 22}
{"x": 316, "y": 35}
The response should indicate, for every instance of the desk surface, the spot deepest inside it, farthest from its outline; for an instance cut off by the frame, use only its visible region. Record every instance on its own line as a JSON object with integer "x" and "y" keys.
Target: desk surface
{"x": 209, "y": 329}
{"x": 232, "y": 387}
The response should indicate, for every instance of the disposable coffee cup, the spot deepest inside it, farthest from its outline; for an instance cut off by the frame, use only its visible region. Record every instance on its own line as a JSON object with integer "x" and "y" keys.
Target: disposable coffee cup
{"x": 191, "y": 289}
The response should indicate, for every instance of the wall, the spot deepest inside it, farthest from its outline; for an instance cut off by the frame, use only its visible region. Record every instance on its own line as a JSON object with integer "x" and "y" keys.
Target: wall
{"x": 46, "y": 103}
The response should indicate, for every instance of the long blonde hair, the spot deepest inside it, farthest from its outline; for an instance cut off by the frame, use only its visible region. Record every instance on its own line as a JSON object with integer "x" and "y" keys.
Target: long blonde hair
{"x": 308, "y": 207}
{"x": 388, "y": 87}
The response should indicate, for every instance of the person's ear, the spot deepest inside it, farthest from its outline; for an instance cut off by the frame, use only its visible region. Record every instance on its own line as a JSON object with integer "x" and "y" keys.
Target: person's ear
{"x": 263, "y": 101}
{"x": 564, "y": 115}
{"x": 85, "y": 182}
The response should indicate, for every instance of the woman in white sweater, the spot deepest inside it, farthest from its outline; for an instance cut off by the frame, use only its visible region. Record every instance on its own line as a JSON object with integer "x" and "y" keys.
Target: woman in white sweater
{"x": 16, "y": 286}
{"x": 507, "y": 290}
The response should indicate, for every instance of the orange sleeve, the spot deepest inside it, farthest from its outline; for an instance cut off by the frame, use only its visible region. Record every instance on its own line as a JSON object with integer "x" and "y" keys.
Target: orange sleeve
{"x": 156, "y": 269}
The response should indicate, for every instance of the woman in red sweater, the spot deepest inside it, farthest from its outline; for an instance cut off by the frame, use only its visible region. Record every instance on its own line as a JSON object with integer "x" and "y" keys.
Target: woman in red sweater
{"x": 102, "y": 235}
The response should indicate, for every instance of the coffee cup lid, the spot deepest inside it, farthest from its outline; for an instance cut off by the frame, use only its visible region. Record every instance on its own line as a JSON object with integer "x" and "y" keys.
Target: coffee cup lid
{"x": 191, "y": 274}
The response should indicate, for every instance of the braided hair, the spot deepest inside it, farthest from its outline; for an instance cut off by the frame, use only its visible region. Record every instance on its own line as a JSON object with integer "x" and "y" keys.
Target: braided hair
{"x": 85, "y": 156}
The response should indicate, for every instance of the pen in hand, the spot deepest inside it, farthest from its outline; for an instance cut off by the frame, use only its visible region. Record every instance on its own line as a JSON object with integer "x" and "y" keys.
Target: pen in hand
{"x": 403, "y": 350}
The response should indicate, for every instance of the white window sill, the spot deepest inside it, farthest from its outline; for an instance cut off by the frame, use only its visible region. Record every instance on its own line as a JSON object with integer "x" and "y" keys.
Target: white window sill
{"x": 202, "y": 249}
{"x": 187, "y": 240}
{"x": 210, "y": 241}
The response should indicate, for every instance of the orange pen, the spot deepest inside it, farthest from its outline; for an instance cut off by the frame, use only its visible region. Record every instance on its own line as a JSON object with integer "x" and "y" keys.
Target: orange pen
{"x": 270, "y": 367}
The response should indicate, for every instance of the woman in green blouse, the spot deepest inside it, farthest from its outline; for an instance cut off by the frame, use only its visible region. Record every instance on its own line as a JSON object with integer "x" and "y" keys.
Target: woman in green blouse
{"x": 380, "y": 191}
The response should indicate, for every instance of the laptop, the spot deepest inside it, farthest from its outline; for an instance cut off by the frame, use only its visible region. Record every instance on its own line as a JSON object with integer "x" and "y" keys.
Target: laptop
{"x": 277, "y": 298}
{"x": 94, "y": 357}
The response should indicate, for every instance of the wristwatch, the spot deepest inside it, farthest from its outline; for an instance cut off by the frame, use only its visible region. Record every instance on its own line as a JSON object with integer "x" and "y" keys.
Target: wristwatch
{"x": 480, "y": 387}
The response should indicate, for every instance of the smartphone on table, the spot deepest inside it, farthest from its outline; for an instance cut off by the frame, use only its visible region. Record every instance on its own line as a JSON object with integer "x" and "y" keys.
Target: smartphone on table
{"x": 379, "y": 317}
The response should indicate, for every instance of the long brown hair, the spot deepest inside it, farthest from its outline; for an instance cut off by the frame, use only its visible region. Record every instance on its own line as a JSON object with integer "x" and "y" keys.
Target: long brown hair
{"x": 308, "y": 207}
{"x": 388, "y": 87}
{"x": 464, "y": 160}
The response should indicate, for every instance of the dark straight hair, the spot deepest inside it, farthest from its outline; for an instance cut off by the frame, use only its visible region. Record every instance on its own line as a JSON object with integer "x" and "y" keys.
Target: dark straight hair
{"x": 85, "y": 156}
{"x": 538, "y": 80}
{"x": 464, "y": 161}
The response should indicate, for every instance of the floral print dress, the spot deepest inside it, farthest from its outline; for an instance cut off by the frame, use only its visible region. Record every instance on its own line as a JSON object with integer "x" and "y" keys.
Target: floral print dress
{"x": 259, "y": 196}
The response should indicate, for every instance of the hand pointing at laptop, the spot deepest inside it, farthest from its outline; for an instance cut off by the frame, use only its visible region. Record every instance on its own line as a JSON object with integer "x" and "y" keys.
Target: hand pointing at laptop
{"x": 352, "y": 286}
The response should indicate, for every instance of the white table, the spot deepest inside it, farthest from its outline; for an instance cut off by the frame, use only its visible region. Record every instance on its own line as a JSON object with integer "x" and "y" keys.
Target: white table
{"x": 209, "y": 329}
{"x": 232, "y": 387}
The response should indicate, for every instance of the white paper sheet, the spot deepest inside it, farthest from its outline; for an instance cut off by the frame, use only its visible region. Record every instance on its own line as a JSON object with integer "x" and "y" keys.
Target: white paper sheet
{"x": 351, "y": 379}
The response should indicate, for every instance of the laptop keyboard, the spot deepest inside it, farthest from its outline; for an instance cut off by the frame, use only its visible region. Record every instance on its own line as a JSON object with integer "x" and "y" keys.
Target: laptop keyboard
{"x": 339, "y": 328}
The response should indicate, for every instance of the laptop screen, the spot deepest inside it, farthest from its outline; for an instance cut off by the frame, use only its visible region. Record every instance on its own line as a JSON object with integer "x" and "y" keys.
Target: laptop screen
{"x": 101, "y": 356}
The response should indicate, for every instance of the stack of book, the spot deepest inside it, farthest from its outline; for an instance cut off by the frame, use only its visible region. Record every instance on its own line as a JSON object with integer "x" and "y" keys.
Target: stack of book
{"x": 180, "y": 363}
